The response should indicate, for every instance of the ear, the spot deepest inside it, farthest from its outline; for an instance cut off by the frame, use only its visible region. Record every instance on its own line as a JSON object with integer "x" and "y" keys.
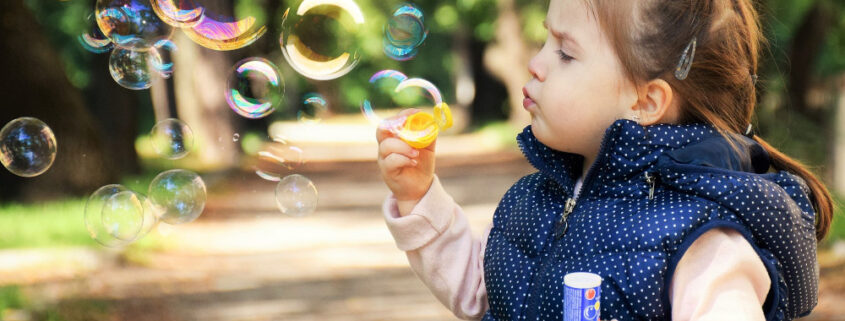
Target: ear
{"x": 657, "y": 103}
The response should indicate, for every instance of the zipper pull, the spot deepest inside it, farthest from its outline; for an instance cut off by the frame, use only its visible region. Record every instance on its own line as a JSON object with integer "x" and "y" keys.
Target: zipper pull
{"x": 650, "y": 180}
{"x": 562, "y": 225}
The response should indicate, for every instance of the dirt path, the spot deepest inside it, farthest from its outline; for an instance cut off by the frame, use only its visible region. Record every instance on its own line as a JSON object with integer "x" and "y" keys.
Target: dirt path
{"x": 243, "y": 260}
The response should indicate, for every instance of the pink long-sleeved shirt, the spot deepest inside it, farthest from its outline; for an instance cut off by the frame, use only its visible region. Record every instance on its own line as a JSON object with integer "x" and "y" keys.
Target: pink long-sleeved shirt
{"x": 719, "y": 277}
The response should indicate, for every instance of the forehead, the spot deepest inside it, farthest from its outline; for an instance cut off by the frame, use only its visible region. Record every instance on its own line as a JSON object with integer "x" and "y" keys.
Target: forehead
{"x": 574, "y": 17}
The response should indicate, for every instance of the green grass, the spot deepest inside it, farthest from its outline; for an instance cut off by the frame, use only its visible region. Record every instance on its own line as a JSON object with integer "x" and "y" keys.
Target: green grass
{"x": 837, "y": 226}
{"x": 12, "y": 301}
{"x": 51, "y": 224}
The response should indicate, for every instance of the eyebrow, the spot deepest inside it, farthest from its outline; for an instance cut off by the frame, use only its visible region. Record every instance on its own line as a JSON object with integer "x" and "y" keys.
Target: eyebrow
{"x": 562, "y": 35}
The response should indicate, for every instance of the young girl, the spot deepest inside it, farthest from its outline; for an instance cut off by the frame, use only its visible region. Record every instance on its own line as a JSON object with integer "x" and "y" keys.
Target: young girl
{"x": 648, "y": 174}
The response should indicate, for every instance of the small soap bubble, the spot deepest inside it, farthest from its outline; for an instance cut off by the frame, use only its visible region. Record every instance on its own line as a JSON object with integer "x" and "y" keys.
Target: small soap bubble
{"x": 219, "y": 32}
{"x": 404, "y": 32}
{"x": 172, "y": 138}
{"x": 94, "y": 219}
{"x": 131, "y": 23}
{"x": 236, "y": 137}
{"x": 133, "y": 69}
{"x": 320, "y": 39}
{"x": 178, "y": 196}
{"x": 123, "y": 215}
{"x": 276, "y": 158}
{"x": 27, "y": 147}
{"x": 313, "y": 106}
{"x": 255, "y": 88}
{"x": 296, "y": 196}
{"x": 94, "y": 40}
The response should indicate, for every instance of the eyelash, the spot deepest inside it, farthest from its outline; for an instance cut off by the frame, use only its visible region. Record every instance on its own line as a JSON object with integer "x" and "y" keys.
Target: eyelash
{"x": 564, "y": 56}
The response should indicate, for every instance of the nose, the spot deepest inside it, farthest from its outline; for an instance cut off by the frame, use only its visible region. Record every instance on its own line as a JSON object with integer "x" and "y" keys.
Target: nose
{"x": 535, "y": 67}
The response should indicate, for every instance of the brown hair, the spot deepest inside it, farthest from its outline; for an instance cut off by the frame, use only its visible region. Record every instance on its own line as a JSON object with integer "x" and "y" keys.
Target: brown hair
{"x": 719, "y": 89}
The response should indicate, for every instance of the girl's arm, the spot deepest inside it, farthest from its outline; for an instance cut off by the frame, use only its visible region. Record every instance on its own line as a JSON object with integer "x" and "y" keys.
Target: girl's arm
{"x": 442, "y": 251}
{"x": 720, "y": 277}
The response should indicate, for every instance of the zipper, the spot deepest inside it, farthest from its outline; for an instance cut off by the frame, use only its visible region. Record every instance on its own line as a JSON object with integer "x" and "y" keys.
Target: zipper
{"x": 649, "y": 179}
{"x": 562, "y": 224}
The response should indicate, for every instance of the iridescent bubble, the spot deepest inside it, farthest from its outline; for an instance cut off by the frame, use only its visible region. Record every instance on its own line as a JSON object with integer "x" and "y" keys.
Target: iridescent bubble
{"x": 162, "y": 61}
{"x": 254, "y": 89}
{"x": 178, "y": 196}
{"x": 133, "y": 69}
{"x": 277, "y": 157}
{"x": 296, "y": 196}
{"x": 390, "y": 89}
{"x": 319, "y": 38}
{"x": 123, "y": 215}
{"x": 313, "y": 106}
{"x": 404, "y": 32}
{"x": 94, "y": 40}
{"x": 178, "y": 13}
{"x": 27, "y": 147}
{"x": 131, "y": 23}
{"x": 225, "y": 33}
{"x": 93, "y": 215}
{"x": 172, "y": 138}
{"x": 236, "y": 137}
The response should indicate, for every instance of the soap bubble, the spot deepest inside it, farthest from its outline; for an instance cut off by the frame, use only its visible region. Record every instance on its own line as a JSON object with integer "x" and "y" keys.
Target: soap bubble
{"x": 390, "y": 89}
{"x": 178, "y": 13}
{"x": 93, "y": 215}
{"x": 178, "y": 196}
{"x": 296, "y": 196}
{"x": 133, "y": 69}
{"x": 131, "y": 23}
{"x": 319, "y": 39}
{"x": 313, "y": 105}
{"x": 404, "y": 32}
{"x": 276, "y": 157}
{"x": 162, "y": 60}
{"x": 27, "y": 147}
{"x": 172, "y": 138}
{"x": 123, "y": 215}
{"x": 254, "y": 89}
{"x": 225, "y": 33}
{"x": 94, "y": 40}
{"x": 236, "y": 137}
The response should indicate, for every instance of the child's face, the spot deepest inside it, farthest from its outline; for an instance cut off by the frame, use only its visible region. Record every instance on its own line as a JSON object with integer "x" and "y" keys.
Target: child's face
{"x": 578, "y": 88}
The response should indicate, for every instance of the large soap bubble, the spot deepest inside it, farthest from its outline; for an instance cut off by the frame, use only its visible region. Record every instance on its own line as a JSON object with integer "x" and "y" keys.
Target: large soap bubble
{"x": 278, "y": 157}
{"x": 296, "y": 195}
{"x": 178, "y": 196}
{"x": 391, "y": 89}
{"x": 225, "y": 33}
{"x": 131, "y": 23}
{"x": 27, "y": 147}
{"x": 320, "y": 37}
{"x": 255, "y": 88}
{"x": 94, "y": 40}
{"x": 178, "y": 13}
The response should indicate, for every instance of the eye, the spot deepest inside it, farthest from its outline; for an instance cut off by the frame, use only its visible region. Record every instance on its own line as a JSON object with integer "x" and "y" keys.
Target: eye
{"x": 564, "y": 56}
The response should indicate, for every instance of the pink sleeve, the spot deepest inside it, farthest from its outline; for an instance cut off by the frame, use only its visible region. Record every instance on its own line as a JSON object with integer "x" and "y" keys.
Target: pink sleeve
{"x": 720, "y": 277}
{"x": 442, "y": 250}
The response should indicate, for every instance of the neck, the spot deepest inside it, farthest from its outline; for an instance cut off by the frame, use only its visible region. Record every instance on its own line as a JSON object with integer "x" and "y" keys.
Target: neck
{"x": 588, "y": 162}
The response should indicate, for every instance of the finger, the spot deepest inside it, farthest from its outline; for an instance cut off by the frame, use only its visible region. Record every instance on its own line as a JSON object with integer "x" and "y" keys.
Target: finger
{"x": 384, "y": 129}
{"x": 396, "y": 145}
{"x": 394, "y": 162}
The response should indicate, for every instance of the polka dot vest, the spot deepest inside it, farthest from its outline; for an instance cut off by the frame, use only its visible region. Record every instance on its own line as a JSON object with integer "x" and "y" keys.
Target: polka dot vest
{"x": 651, "y": 192}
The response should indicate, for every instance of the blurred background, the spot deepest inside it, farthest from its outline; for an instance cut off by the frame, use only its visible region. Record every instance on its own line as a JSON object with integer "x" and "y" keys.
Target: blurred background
{"x": 242, "y": 259}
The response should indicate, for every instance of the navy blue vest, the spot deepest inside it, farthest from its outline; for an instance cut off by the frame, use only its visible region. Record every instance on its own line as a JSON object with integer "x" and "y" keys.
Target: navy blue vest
{"x": 651, "y": 192}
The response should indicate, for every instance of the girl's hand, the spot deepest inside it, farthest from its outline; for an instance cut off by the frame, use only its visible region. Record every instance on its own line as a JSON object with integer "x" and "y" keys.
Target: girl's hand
{"x": 407, "y": 171}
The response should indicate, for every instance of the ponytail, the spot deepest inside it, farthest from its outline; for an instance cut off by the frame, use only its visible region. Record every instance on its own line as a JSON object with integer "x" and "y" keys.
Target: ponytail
{"x": 819, "y": 195}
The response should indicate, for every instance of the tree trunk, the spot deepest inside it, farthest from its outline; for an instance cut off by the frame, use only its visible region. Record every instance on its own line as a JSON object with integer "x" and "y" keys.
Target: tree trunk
{"x": 200, "y": 77}
{"x": 806, "y": 46}
{"x": 508, "y": 59}
{"x": 839, "y": 140}
{"x": 35, "y": 85}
